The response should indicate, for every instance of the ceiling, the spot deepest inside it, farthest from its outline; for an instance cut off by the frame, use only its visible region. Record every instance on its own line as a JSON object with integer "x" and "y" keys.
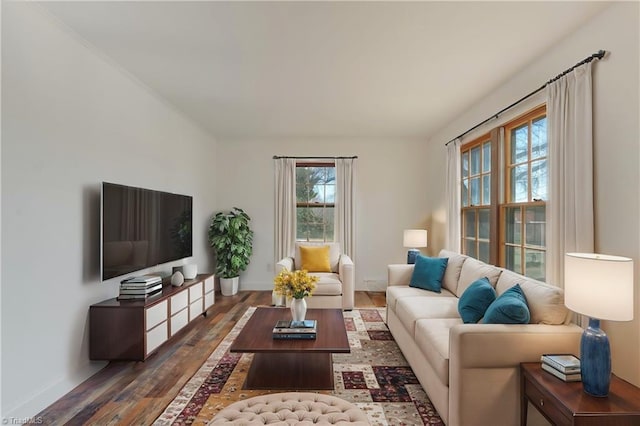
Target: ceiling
{"x": 322, "y": 69}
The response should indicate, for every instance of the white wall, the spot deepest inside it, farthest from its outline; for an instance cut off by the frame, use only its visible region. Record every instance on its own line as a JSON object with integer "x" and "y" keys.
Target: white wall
{"x": 391, "y": 196}
{"x": 616, "y": 146}
{"x": 71, "y": 120}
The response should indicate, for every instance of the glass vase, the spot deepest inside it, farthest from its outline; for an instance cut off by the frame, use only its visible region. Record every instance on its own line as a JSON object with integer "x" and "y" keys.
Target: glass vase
{"x": 298, "y": 309}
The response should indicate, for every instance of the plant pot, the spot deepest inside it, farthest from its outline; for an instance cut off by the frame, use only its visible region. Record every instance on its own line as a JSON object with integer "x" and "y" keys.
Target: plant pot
{"x": 229, "y": 286}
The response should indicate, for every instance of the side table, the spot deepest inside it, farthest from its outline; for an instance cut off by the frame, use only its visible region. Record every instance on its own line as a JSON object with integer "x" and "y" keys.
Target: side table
{"x": 565, "y": 403}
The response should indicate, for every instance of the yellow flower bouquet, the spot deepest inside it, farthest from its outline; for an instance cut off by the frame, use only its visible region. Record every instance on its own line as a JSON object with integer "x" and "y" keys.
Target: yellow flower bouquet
{"x": 297, "y": 284}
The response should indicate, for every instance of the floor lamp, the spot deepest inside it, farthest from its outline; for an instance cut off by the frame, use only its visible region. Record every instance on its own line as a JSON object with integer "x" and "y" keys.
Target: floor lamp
{"x": 601, "y": 287}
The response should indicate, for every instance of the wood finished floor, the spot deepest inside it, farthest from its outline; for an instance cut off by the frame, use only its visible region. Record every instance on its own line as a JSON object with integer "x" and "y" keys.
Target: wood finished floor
{"x": 136, "y": 393}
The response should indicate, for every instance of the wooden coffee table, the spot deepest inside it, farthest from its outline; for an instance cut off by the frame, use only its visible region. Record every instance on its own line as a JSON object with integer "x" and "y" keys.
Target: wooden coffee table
{"x": 291, "y": 364}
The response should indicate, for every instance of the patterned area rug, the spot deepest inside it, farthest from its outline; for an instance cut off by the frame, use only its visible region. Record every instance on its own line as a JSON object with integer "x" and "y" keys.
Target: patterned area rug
{"x": 374, "y": 376}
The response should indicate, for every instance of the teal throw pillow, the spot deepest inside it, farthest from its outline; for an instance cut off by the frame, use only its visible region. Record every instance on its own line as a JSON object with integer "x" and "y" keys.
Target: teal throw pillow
{"x": 509, "y": 308}
{"x": 428, "y": 273}
{"x": 475, "y": 300}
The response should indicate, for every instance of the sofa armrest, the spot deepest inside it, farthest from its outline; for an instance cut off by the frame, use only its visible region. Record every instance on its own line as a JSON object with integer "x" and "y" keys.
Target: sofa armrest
{"x": 399, "y": 274}
{"x": 287, "y": 263}
{"x": 500, "y": 345}
{"x": 347, "y": 276}
{"x": 484, "y": 367}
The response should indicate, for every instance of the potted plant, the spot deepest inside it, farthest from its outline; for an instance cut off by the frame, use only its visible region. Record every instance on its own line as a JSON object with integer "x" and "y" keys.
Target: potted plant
{"x": 232, "y": 239}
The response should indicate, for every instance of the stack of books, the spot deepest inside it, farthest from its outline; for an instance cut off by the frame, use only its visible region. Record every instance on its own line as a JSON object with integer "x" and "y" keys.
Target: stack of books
{"x": 285, "y": 329}
{"x": 564, "y": 366}
{"x": 140, "y": 288}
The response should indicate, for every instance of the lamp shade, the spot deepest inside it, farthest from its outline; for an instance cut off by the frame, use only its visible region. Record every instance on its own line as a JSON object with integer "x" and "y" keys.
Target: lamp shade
{"x": 599, "y": 286}
{"x": 415, "y": 238}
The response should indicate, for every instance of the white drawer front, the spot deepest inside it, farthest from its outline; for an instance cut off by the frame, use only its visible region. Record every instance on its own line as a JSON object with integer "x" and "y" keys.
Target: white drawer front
{"x": 208, "y": 300}
{"x": 178, "y": 321}
{"x": 156, "y": 337}
{"x": 208, "y": 285}
{"x": 195, "y": 292}
{"x": 195, "y": 309}
{"x": 156, "y": 314}
{"x": 179, "y": 302}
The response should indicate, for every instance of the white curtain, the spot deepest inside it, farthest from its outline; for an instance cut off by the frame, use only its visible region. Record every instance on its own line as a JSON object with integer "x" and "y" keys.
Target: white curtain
{"x": 345, "y": 210}
{"x": 285, "y": 208}
{"x": 452, "y": 189}
{"x": 569, "y": 211}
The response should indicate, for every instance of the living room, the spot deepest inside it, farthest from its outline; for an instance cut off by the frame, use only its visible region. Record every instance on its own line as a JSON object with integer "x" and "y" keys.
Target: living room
{"x": 73, "y": 117}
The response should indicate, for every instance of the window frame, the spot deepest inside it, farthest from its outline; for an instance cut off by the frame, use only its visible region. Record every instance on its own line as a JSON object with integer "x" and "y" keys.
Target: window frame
{"x": 528, "y": 118}
{"x": 484, "y": 205}
{"x": 500, "y": 197}
{"x": 317, "y": 164}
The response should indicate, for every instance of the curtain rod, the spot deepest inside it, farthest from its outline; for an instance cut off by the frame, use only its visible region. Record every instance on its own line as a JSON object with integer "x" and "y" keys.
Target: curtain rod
{"x": 275, "y": 157}
{"x": 598, "y": 55}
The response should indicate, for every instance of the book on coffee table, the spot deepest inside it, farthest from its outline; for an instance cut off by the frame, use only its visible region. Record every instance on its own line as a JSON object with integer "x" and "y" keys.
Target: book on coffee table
{"x": 285, "y": 329}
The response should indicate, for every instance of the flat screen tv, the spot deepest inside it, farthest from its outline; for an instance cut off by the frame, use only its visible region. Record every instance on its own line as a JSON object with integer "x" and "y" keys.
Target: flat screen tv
{"x": 142, "y": 228}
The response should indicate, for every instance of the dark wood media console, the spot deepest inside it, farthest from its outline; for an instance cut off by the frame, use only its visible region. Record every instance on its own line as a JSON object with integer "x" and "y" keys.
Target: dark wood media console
{"x": 133, "y": 330}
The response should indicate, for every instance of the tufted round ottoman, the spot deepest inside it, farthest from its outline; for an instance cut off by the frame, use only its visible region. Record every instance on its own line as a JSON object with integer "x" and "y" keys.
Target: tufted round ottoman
{"x": 291, "y": 408}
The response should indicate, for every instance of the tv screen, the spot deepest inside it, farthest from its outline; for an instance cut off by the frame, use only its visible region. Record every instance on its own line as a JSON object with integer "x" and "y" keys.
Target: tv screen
{"x": 143, "y": 228}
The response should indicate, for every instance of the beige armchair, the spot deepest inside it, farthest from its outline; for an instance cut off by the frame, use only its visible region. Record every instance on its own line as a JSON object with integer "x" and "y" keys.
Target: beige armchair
{"x": 334, "y": 289}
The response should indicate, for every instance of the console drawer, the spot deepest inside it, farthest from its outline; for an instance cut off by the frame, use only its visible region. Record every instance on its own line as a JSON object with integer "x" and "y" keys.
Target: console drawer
{"x": 208, "y": 300}
{"x": 195, "y": 292}
{"x": 156, "y": 337}
{"x": 156, "y": 314}
{"x": 179, "y": 302}
{"x": 195, "y": 309}
{"x": 208, "y": 285}
{"x": 178, "y": 321}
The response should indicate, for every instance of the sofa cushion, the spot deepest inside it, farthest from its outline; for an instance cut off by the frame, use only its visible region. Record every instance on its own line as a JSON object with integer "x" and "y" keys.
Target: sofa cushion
{"x": 475, "y": 300}
{"x": 397, "y": 292}
{"x": 432, "y": 337}
{"x": 334, "y": 253}
{"x": 545, "y": 301}
{"x": 328, "y": 284}
{"x": 410, "y": 309}
{"x": 509, "y": 308}
{"x": 315, "y": 259}
{"x": 473, "y": 269}
{"x": 428, "y": 273}
{"x": 454, "y": 266}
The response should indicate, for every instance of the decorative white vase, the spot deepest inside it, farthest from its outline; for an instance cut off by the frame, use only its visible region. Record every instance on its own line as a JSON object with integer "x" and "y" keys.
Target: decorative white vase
{"x": 298, "y": 309}
{"x": 189, "y": 271}
{"x": 229, "y": 286}
{"x": 177, "y": 279}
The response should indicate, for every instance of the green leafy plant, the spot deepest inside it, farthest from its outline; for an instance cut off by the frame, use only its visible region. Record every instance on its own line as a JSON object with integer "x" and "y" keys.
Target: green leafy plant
{"x": 232, "y": 239}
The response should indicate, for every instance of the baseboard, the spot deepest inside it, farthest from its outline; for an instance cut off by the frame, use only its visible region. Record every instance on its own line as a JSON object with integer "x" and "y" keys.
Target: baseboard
{"x": 28, "y": 410}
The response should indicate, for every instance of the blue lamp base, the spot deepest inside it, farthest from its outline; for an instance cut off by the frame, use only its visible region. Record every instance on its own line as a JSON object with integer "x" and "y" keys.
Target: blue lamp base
{"x": 595, "y": 360}
{"x": 412, "y": 254}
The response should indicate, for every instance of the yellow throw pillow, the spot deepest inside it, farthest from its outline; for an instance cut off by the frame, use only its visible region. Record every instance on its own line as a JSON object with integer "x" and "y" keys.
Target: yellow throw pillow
{"x": 315, "y": 258}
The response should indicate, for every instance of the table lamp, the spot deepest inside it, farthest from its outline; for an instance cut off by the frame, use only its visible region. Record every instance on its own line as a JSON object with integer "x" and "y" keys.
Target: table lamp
{"x": 601, "y": 287}
{"x": 414, "y": 238}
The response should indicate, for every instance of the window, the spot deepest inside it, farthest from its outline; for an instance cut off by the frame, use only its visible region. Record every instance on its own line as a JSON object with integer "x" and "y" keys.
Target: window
{"x": 518, "y": 211}
{"x": 523, "y": 246}
{"x": 476, "y": 198}
{"x": 315, "y": 201}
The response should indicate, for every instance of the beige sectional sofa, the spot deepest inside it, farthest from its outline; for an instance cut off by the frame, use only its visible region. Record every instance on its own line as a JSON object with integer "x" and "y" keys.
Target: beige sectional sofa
{"x": 471, "y": 371}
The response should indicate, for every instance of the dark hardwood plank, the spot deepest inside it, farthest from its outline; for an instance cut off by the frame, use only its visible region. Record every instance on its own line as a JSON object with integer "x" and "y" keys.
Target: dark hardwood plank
{"x": 128, "y": 392}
